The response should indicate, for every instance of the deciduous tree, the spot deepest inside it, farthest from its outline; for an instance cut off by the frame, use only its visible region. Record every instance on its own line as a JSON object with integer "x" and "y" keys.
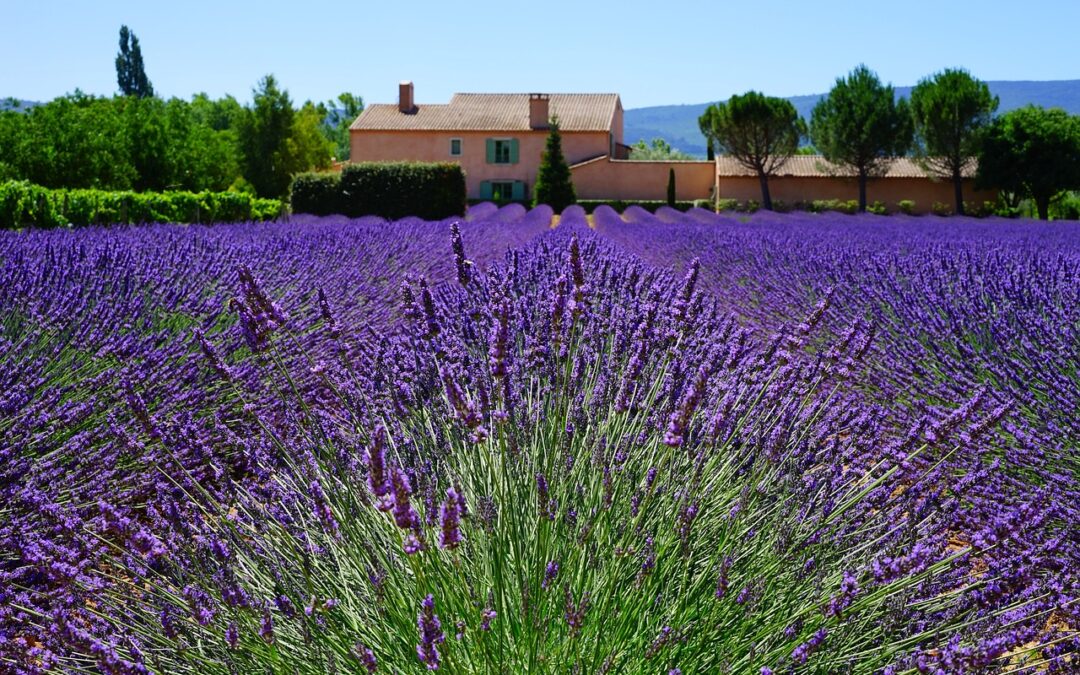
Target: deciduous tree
{"x": 861, "y": 126}
{"x": 1032, "y": 152}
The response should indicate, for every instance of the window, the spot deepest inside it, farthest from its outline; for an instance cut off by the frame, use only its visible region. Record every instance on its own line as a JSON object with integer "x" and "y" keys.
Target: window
{"x": 502, "y": 190}
{"x": 455, "y": 147}
{"x": 502, "y": 151}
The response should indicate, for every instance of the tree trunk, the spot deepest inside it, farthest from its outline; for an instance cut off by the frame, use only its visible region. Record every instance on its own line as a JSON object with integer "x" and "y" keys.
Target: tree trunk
{"x": 862, "y": 191}
{"x": 958, "y": 187}
{"x": 766, "y": 199}
{"x": 1043, "y": 205}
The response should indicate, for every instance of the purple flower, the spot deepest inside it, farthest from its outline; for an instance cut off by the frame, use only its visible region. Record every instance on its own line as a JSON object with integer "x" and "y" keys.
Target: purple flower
{"x": 431, "y": 634}
{"x": 266, "y": 627}
{"x": 463, "y": 266}
{"x": 486, "y": 617}
{"x": 803, "y": 651}
{"x": 545, "y": 503}
{"x": 365, "y": 656}
{"x": 849, "y": 588}
{"x": 232, "y": 635}
{"x": 550, "y": 573}
{"x": 450, "y": 520}
{"x": 575, "y": 612}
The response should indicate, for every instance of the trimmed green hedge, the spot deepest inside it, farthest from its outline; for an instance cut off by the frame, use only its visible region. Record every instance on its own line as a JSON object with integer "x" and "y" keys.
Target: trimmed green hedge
{"x": 393, "y": 190}
{"x": 317, "y": 193}
{"x": 23, "y": 204}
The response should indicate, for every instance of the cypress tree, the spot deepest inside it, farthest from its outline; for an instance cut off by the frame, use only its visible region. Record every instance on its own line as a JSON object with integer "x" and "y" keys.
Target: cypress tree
{"x": 130, "y": 72}
{"x": 554, "y": 186}
{"x": 671, "y": 187}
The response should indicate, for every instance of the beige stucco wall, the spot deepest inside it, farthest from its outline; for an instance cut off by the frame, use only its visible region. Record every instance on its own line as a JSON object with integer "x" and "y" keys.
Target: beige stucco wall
{"x": 630, "y": 180}
{"x": 923, "y": 191}
{"x": 434, "y": 146}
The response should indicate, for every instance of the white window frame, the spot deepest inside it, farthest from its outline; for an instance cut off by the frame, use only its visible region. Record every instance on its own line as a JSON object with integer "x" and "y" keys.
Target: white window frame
{"x": 461, "y": 147}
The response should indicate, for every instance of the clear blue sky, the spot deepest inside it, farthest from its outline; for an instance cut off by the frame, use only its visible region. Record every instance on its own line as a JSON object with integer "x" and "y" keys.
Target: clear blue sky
{"x": 652, "y": 53}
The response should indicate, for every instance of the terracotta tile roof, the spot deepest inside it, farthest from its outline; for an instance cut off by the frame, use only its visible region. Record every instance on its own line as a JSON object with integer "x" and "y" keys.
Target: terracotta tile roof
{"x": 809, "y": 166}
{"x": 492, "y": 112}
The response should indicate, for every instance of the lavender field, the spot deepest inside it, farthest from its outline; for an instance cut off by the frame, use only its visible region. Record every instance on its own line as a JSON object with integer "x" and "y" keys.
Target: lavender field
{"x": 634, "y": 443}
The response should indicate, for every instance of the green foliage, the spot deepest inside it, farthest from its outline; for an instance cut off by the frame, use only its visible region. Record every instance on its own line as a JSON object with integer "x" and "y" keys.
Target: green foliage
{"x": 906, "y": 206}
{"x": 650, "y": 205}
{"x": 878, "y": 208}
{"x": 760, "y": 132}
{"x": 150, "y": 144}
{"x": 671, "y": 187}
{"x": 554, "y": 186}
{"x": 316, "y": 193}
{"x": 941, "y": 209}
{"x": 1066, "y": 207}
{"x": 264, "y": 139}
{"x": 727, "y": 205}
{"x": 119, "y": 143}
{"x": 1032, "y": 152}
{"x": 657, "y": 150}
{"x": 23, "y": 204}
{"x": 949, "y": 112}
{"x": 860, "y": 125}
{"x": 339, "y": 116}
{"x": 130, "y": 71}
{"x": 431, "y": 191}
{"x": 849, "y": 206}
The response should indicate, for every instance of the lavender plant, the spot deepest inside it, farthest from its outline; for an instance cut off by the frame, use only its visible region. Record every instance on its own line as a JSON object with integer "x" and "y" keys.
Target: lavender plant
{"x": 495, "y": 447}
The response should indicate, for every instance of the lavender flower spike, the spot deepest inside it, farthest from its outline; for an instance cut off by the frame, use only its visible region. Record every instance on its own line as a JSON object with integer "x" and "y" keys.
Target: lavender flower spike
{"x": 431, "y": 634}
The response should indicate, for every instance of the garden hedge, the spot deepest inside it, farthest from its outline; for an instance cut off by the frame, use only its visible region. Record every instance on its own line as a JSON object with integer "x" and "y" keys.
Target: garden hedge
{"x": 23, "y": 204}
{"x": 431, "y": 191}
{"x": 316, "y": 193}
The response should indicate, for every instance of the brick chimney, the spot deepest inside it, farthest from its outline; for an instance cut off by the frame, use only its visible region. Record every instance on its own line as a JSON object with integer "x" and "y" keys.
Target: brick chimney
{"x": 538, "y": 111}
{"x": 405, "y": 97}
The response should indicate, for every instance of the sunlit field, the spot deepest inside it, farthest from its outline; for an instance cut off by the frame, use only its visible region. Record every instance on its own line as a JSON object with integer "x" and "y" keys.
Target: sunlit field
{"x": 631, "y": 443}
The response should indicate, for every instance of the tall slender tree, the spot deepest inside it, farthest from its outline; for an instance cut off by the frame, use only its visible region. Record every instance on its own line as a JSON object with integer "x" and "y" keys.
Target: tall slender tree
{"x": 554, "y": 185}
{"x": 264, "y": 139}
{"x": 759, "y": 132}
{"x": 860, "y": 125}
{"x": 130, "y": 71}
{"x": 950, "y": 110}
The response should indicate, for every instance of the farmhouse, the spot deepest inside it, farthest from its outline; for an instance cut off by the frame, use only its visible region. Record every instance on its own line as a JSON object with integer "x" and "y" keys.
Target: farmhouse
{"x": 499, "y": 138}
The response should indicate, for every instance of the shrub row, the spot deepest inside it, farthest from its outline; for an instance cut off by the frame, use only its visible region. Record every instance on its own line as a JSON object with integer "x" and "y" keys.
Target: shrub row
{"x": 23, "y": 204}
{"x": 389, "y": 189}
{"x": 650, "y": 205}
{"x": 851, "y": 207}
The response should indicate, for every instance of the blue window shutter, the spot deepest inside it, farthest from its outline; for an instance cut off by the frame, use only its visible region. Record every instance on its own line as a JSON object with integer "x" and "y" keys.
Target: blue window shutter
{"x": 491, "y": 151}
{"x": 513, "y": 151}
{"x": 485, "y": 188}
{"x": 519, "y": 190}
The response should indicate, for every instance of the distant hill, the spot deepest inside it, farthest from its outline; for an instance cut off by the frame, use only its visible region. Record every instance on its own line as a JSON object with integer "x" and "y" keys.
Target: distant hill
{"x": 16, "y": 104}
{"x": 677, "y": 124}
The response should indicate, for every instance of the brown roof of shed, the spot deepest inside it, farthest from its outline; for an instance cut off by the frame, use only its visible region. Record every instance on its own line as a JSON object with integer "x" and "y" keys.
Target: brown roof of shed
{"x": 492, "y": 112}
{"x": 810, "y": 166}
